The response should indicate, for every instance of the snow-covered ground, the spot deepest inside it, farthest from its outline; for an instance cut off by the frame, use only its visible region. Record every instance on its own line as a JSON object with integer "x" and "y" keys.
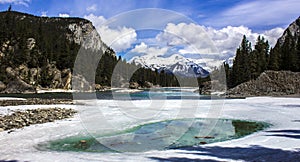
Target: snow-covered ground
{"x": 11, "y": 98}
{"x": 280, "y": 142}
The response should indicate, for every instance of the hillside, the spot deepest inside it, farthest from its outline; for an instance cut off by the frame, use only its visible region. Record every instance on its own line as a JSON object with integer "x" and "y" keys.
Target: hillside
{"x": 39, "y": 53}
{"x": 286, "y": 53}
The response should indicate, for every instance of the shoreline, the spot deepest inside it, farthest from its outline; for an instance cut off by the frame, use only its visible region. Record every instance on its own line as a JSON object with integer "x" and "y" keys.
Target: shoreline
{"x": 28, "y": 139}
{"x": 23, "y": 118}
{"x": 35, "y": 101}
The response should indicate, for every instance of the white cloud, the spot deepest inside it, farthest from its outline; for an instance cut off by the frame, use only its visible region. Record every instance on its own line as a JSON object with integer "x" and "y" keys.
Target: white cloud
{"x": 229, "y": 38}
{"x": 63, "y": 15}
{"x": 192, "y": 36}
{"x": 44, "y": 14}
{"x": 211, "y": 46}
{"x": 119, "y": 39}
{"x": 92, "y": 8}
{"x": 142, "y": 48}
{"x": 257, "y": 12}
{"x": 96, "y": 20}
{"x": 16, "y": 2}
{"x": 272, "y": 35}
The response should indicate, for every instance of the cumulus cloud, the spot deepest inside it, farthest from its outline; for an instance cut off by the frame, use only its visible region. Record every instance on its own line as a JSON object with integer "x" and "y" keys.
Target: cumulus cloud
{"x": 272, "y": 35}
{"x": 210, "y": 46}
{"x": 92, "y": 8}
{"x": 16, "y": 2}
{"x": 203, "y": 40}
{"x": 142, "y": 48}
{"x": 63, "y": 15}
{"x": 119, "y": 39}
{"x": 96, "y": 20}
{"x": 192, "y": 36}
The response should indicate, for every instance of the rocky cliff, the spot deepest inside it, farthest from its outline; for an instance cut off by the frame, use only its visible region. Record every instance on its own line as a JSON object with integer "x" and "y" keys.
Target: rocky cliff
{"x": 39, "y": 52}
{"x": 269, "y": 83}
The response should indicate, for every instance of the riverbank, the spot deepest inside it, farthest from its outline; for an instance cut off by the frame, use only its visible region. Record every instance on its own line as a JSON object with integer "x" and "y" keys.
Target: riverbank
{"x": 33, "y": 101}
{"x": 19, "y": 119}
{"x": 278, "y": 143}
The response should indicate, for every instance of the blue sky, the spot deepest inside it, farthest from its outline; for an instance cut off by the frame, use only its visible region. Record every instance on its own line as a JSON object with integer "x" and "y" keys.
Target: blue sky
{"x": 215, "y": 13}
{"x": 208, "y": 29}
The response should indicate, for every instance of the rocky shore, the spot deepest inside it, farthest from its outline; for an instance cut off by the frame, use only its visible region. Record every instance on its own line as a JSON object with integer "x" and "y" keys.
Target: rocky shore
{"x": 35, "y": 101}
{"x": 269, "y": 83}
{"x": 21, "y": 119}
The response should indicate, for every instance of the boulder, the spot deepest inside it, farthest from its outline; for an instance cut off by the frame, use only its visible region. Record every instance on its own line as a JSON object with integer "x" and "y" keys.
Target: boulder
{"x": 19, "y": 86}
{"x": 134, "y": 85}
{"x": 148, "y": 84}
{"x": 2, "y": 86}
{"x": 79, "y": 83}
{"x": 66, "y": 76}
{"x": 98, "y": 87}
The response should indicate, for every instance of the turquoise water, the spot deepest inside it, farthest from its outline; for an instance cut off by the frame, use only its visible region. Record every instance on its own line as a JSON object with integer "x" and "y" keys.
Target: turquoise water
{"x": 147, "y": 94}
{"x": 170, "y": 134}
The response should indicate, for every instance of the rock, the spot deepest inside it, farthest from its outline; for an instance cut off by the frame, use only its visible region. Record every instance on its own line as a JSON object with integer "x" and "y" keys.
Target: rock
{"x": 269, "y": 83}
{"x": 79, "y": 83}
{"x": 209, "y": 87}
{"x": 98, "y": 87}
{"x": 30, "y": 43}
{"x": 134, "y": 85}
{"x": 19, "y": 86}
{"x": 20, "y": 119}
{"x": 2, "y": 86}
{"x": 203, "y": 143}
{"x": 66, "y": 79}
{"x": 1, "y": 129}
{"x": 148, "y": 84}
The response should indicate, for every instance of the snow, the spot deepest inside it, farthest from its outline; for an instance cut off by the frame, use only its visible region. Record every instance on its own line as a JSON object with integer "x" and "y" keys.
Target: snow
{"x": 128, "y": 90}
{"x": 55, "y": 91}
{"x": 276, "y": 143}
{"x": 11, "y": 98}
{"x": 175, "y": 63}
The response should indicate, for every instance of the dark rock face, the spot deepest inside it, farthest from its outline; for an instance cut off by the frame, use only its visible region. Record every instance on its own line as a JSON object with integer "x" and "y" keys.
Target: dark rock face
{"x": 39, "y": 52}
{"x": 21, "y": 119}
{"x": 269, "y": 83}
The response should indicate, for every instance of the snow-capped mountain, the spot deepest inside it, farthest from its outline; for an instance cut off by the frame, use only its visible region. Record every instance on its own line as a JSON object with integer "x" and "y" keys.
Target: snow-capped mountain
{"x": 175, "y": 64}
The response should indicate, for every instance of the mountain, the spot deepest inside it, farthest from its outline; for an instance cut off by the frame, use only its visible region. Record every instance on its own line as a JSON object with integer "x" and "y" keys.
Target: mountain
{"x": 39, "y": 52}
{"x": 286, "y": 53}
{"x": 175, "y": 64}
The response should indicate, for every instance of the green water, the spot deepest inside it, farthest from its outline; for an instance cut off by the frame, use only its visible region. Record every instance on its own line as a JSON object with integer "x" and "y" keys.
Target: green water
{"x": 170, "y": 134}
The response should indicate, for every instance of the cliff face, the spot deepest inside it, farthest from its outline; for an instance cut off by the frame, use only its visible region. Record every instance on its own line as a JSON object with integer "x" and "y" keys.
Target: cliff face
{"x": 292, "y": 31}
{"x": 269, "y": 83}
{"x": 39, "y": 52}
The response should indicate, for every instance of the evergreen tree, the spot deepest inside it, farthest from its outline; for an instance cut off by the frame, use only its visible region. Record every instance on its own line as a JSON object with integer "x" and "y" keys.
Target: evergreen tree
{"x": 241, "y": 71}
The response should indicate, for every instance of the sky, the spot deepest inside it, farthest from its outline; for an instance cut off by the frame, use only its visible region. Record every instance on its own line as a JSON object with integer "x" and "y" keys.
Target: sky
{"x": 210, "y": 30}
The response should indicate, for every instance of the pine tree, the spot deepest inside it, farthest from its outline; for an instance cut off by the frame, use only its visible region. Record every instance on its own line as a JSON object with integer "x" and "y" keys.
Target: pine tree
{"x": 241, "y": 71}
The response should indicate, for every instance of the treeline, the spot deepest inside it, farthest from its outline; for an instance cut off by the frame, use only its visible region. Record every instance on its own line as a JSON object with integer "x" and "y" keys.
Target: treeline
{"x": 113, "y": 71}
{"x": 249, "y": 63}
{"x": 52, "y": 46}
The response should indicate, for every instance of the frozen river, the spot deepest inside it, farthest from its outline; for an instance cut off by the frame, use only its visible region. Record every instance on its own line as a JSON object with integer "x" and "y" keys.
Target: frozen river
{"x": 279, "y": 142}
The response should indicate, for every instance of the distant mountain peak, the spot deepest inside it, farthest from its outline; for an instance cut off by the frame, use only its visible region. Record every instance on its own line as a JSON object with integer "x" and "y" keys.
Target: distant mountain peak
{"x": 175, "y": 64}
